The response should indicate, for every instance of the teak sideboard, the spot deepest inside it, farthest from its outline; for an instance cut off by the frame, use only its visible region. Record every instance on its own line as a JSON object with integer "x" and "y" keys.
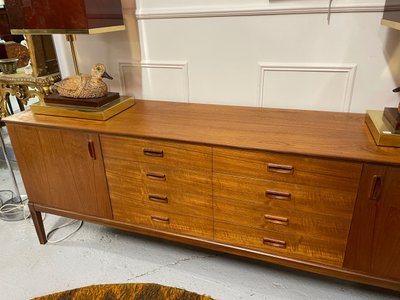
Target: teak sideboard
{"x": 304, "y": 189}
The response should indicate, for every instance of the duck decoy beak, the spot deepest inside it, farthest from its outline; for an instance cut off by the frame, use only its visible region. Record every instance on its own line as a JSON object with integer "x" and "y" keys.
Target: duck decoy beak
{"x": 106, "y": 75}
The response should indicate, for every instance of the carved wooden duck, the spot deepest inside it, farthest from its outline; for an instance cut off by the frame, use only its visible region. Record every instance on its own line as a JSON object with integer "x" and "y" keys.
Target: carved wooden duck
{"x": 84, "y": 85}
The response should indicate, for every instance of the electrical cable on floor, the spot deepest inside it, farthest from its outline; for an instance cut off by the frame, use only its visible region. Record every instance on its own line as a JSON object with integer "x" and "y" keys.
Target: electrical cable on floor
{"x": 10, "y": 209}
{"x": 51, "y": 232}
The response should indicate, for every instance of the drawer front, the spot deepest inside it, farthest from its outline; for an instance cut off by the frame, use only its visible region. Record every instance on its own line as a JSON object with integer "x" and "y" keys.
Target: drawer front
{"x": 172, "y": 154}
{"x": 273, "y": 194}
{"x": 157, "y": 187}
{"x": 288, "y": 168}
{"x": 324, "y": 227}
{"x": 288, "y": 245}
{"x": 165, "y": 221}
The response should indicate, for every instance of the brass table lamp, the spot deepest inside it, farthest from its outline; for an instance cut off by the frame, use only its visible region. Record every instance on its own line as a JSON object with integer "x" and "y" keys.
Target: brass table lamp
{"x": 69, "y": 17}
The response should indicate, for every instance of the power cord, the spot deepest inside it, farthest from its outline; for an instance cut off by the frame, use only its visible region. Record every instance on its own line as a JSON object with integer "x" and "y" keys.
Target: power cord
{"x": 8, "y": 209}
{"x": 51, "y": 232}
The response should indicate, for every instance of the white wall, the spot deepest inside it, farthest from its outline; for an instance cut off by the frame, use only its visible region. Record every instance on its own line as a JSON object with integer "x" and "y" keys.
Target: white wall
{"x": 276, "y": 53}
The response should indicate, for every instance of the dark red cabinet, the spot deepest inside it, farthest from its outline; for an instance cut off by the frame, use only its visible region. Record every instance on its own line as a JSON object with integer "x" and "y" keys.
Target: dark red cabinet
{"x": 83, "y": 16}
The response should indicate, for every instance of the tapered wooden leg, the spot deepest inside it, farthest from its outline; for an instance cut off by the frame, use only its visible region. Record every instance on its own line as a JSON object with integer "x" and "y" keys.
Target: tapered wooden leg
{"x": 38, "y": 222}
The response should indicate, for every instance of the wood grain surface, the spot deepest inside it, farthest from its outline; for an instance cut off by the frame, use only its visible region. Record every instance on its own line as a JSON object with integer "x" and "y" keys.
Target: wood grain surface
{"x": 157, "y": 152}
{"x": 324, "y": 134}
{"x": 300, "y": 197}
{"x": 278, "y": 185}
{"x": 288, "y": 168}
{"x": 315, "y": 224}
{"x": 295, "y": 245}
{"x": 310, "y": 266}
{"x": 58, "y": 170}
{"x": 374, "y": 240}
{"x": 182, "y": 190}
{"x": 164, "y": 220}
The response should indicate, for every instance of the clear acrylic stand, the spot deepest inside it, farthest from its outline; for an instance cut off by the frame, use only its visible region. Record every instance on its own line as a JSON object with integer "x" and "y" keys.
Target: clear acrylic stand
{"x": 11, "y": 209}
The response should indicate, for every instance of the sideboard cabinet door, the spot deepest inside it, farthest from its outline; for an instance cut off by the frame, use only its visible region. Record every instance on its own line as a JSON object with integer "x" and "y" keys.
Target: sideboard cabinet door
{"x": 374, "y": 240}
{"x": 62, "y": 169}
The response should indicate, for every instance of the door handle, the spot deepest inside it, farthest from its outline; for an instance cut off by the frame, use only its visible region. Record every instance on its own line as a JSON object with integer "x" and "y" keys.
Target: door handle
{"x": 92, "y": 150}
{"x": 156, "y": 176}
{"x": 376, "y": 187}
{"x": 277, "y": 220}
{"x": 161, "y": 199}
{"x": 282, "y": 169}
{"x": 274, "y": 243}
{"x": 278, "y": 195}
{"x": 154, "y": 153}
{"x": 164, "y": 220}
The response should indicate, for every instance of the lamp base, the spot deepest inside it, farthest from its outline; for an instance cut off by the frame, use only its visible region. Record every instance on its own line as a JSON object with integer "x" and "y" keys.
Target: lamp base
{"x": 380, "y": 131}
{"x": 57, "y": 99}
{"x": 391, "y": 117}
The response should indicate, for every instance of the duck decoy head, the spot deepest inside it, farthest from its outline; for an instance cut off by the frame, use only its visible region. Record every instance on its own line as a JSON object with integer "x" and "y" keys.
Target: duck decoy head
{"x": 99, "y": 71}
{"x": 106, "y": 75}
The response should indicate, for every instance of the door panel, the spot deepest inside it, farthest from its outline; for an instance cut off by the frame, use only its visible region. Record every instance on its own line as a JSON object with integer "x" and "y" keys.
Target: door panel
{"x": 62, "y": 169}
{"x": 374, "y": 240}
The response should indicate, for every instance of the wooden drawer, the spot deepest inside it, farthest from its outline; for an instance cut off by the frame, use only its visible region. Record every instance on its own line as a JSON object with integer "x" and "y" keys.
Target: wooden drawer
{"x": 288, "y": 168}
{"x": 272, "y": 194}
{"x": 166, "y": 221}
{"x": 289, "y": 245}
{"x": 158, "y": 187}
{"x": 292, "y": 221}
{"x": 172, "y": 154}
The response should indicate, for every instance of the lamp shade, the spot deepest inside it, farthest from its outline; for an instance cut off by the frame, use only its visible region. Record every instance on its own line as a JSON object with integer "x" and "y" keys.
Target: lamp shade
{"x": 391, "y": 15}
{"x": 64, "y": 16}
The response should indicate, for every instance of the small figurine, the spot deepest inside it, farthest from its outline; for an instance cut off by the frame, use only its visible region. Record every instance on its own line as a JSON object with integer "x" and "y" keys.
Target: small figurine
{"x": 84, "y": 85}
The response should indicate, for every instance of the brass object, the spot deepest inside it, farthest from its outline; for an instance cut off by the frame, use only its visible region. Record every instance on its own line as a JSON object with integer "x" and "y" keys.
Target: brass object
{"x": 24, "y": 87}
{"x": 42, "y": 55}
{"x": 8, "y": 65}
{"x": 380, "y": 131}
{"x": 391, "y": 24}
{"x": 71, "y": 38}
{"x": 69, "y": 31}
{"x": 80, "y": 112}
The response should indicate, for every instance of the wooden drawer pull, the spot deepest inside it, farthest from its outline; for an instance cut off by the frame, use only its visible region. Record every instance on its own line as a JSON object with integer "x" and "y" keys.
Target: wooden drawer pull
{"x": 282, "y": 169}
{"x": 277, "y": 220}
{"x": 278, "y": 195}
{"x": 91, "y": 149}
{"x": 163, "y": 220}
{"x": 274, "y": 243}
{"x": 156, "y": 176}
{"x": 376, "y": 187}
{"x": 160, "y": 199}
{"x": 154, "y": 153}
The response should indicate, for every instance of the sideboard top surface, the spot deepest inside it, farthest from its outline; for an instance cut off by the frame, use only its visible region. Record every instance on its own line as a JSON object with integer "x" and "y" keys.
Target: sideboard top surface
{"x": 316, "y": 133}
